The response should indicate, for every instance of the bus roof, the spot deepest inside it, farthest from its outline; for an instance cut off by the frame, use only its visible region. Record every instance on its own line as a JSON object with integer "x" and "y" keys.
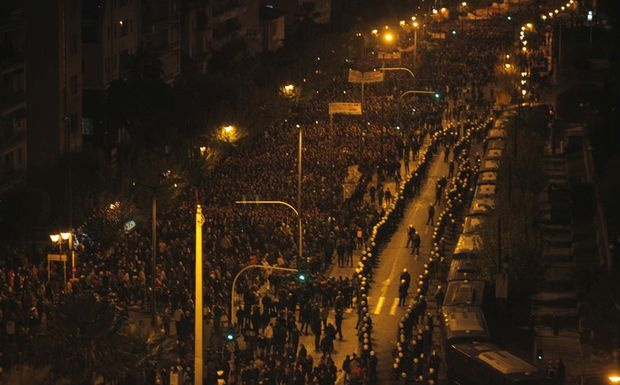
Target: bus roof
{"x": 482, "y": 205}
{"x": 464, "y": 293}
{"x": 485, "y": 190}
{"x": 464, "y": 322}
{"x": 473, "y": 222}
{"x": 505, "y": 362}
{"x": 461, "y": 269}
{"x": 496, "y": 144}
{"x": 493, "y": 153}
{"x": 468, "y": 244}
{"x": 487, "y": 177}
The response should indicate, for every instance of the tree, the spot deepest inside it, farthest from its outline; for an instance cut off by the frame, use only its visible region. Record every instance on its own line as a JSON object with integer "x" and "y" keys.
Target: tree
{"x": 89, "y": 336}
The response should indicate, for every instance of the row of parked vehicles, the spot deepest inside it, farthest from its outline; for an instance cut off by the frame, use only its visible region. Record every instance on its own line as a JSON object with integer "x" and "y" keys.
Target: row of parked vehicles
{"x": 471, "y": 355}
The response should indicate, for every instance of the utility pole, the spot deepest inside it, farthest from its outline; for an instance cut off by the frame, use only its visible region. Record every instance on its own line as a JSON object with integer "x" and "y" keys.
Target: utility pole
{"x": 299, "y": 178}
{"x": 198, "y": 338}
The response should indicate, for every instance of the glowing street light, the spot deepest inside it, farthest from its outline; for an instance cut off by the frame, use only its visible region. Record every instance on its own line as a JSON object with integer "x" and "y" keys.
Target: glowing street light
{"x": 375, "y": 31}
{"x": 614, "y": 379}
{"x": 55, "y": 237}
{"x": 388, "y": 37}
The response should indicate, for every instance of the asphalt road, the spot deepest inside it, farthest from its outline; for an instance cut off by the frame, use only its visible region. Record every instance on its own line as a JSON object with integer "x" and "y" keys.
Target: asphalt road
{"x": 383, "y": 296}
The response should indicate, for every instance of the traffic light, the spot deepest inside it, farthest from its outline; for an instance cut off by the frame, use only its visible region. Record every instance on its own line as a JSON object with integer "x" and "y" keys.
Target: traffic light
{"x": 539, "y": 356}
{"x": 230, "y": 335}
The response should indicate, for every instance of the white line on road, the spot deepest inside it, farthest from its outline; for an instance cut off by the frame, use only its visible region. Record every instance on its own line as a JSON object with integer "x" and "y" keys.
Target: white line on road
{"x": 394, "y": 306}
{"x": 379, "y": 305}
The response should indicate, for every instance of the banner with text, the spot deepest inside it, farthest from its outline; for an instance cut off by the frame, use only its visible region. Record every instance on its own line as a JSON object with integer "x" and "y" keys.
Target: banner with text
{"x": 365, "y": 77}
{"x": 388, "y": 55}
{"x": 345, "y": 108}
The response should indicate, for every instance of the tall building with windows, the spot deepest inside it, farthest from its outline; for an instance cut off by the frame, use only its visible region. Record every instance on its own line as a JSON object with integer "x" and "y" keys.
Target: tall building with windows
{"x": 54, "y": 81}
{"x": 13, "y": 126}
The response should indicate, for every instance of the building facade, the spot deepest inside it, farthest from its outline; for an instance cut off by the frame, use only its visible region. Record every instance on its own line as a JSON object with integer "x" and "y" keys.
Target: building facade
{"x": 54, "y": 81}
{"x": 13, "y": 123}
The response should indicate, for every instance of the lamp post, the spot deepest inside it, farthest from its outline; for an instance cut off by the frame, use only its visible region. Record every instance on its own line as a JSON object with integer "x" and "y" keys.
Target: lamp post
{"x": 198, "y": 338}
{"x": 405, "y": 69}
{"x": 69, "y": 236}
{"x": 415, "y": 43}
{"x": 153, "y": 189}
{"x": 232, "y": 293}
{"x": 57, "y": 239}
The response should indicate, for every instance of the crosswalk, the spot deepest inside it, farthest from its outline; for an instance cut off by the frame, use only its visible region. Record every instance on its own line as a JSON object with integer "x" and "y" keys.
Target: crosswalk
{"x": 381, "y": 308}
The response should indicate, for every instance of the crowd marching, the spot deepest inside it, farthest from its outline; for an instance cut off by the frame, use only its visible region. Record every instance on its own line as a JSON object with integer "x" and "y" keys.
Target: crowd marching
{"x": 276, "y": 310}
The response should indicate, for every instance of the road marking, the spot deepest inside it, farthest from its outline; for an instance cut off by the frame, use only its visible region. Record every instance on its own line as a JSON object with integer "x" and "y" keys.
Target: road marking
{"x": 379, "y": 305}
{"x": 394, "y": 306}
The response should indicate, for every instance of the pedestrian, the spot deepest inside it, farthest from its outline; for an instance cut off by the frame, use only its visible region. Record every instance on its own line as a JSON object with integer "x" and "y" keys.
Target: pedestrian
{"x": 402, "y": 293}
{"x": 341, "y": 250}
{"x": 451, "y": 169}
{"x": 416, "y": 245}
{"x": 339, "y": 317}
{"x": 410, "y": 235}
{"x": 372, "y": 192}
{"x": 388, "y": 197}
{"x": 439, "y": 296}
{"x": 431, "y": 215}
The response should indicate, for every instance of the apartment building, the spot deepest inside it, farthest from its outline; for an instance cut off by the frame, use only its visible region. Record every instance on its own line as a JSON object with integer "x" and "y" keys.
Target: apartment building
{"x": 13, "y": 126}
{"x": 54, "y": 81}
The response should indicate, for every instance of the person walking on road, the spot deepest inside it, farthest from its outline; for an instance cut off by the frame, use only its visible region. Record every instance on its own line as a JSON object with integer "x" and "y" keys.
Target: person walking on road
{"x": 388, "y": 197}
{"x": 416, "y": 245}
{"x": 410, "y": 235}
{"x": 439, "y": 296}
{"x": 339, "y": 317}
{"x": 431, "y": 215}
{"x": 402, "y": 293}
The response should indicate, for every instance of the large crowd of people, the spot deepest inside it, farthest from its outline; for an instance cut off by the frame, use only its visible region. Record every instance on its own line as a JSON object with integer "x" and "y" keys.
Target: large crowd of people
{"x": 274, "y": 309}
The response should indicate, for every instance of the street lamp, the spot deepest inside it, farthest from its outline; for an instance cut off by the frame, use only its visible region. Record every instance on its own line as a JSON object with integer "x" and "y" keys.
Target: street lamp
{"x": 388, "y": 37}
{"x": 68, "y": 236}
{"x": 55, "y": 237}
{"x": 229, "y": 133}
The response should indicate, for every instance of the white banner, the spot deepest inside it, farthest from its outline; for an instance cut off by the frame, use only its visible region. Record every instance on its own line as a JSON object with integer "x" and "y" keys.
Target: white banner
{"x": 365, "y": 77}
{"x": 388, "y": 55}
{"x": 345, "y": 108}
{"x": 374, "y": 77}
{"x": 355, "y": 76}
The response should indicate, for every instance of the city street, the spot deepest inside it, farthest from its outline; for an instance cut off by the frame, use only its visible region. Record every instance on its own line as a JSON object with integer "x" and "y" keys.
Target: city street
{"x": 383, "y": 297}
